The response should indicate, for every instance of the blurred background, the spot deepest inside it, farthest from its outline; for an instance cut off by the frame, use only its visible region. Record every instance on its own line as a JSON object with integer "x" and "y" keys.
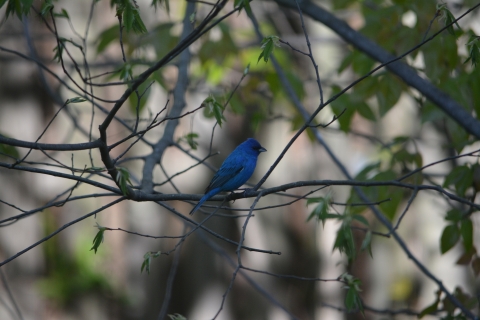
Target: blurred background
{"x": 64, "y": 279}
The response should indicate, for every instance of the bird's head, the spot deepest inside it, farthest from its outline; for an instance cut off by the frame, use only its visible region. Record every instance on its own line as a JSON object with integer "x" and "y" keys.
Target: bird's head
{"x": 252, "y": 145}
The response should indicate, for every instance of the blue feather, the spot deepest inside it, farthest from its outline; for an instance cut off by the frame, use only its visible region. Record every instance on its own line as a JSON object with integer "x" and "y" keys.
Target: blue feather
{"x": 237, "y": 168}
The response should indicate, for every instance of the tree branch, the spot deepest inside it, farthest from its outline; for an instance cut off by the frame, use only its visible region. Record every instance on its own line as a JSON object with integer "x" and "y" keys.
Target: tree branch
{"x": 178, "y": 105}
{"x": 50, "y": 146}
{"x": 400, "y": 69}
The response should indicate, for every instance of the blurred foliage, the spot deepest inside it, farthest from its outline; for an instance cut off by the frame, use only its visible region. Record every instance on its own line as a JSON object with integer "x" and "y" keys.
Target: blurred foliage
{"x": 71, "y": 274}
{"x": 353, "y": 302}
{"x": 99, "y": 237}
{"x": 449, "y": 61}
{"x": 123, "y": 178}
{"x": 445, "y": 65}
{"x": 147, "y": 260}
{"x": 446, "y": 305}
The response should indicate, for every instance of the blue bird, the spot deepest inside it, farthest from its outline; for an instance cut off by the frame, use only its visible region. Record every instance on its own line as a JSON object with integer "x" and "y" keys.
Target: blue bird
{"x": 237, "y": 168}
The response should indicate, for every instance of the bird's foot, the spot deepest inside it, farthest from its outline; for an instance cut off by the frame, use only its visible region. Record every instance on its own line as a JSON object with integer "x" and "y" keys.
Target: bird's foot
{"x": 243, "y": 193}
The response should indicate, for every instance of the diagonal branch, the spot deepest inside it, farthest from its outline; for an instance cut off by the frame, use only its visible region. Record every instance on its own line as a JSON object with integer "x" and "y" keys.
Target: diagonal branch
{"x": 399, "y": 68}
{"x": 65, "y": 226}
{"x": 50, "y": 146}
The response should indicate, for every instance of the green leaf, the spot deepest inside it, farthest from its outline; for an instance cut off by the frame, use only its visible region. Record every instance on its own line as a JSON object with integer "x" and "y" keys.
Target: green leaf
{"x": 444, "y": 54}
{"x": 14, "y": 7}
{"x": 365, "y": 111}
{"x": 106, "y": 37}
{"x": 466, "y": 257}
{"x": 367, "y": 241}
{"x": 405, "y": 157}
{"x": 246, "y": 70}
{"x": 344, "y": 241}
{"x": 98, "y": 238}
{"x": 126, "y": 72}
{"x": 418, "y": 159}
{"x": 366, "y": 172}
{"x": 353, "y": 301}
{"x": 26, "y": 5}
{"x": 320, "y": 212}
{"x": 258, "y": 117}
{"x": 215, "y": 73}
{"x": 431, "y": 309}
{"x": 128, "y": 16}
{"x": 158, "y": 77}
{"x": 361, "y": 219}
{"x": 58, "y": 51}
{"x": 223, "y": 51}
{"x": 468, "y": 301}
{"x": 360, "y": 63}
{"x": 165, "y": 3}
{"x": 147, "y": 260}
{"x": 236, "y": 105}
{"x": 46, "y": 7}
{"x": 454, "y": 215}
{"x": 350, "y": 299}
{"x": 476, "y": 266}
{"x": 461, "y": 177}
{"x": 448, "y": 17}
{"x": 473, "y": 51}
{"x": 63, "y": 14}
{"x": 18, "y": 7}
{"x": 9, "y": 150}
{"x": 212, "y": 108}
{"x": 343, "y": 102}
{"x": 76, "y": 100}
{"x": 190, "y": 139}
{"x": 466, "y": 230}
{"x": 123, "y": 177}
{"x": 450, "y": 236}
{"x": 430, "y": 112}
{"x": 458, "y": 136}
{"x": 131, "y": 18}
{"x": 268, "y": 45}
{"x": 389, "y": 91}
{"x": 449, "y": 307}
{"x": 276, "y": 86}
{"x": 146, "y": 265}
{"x": 389, "y": 208}
{"x": 138, "y": 26}
{"x": 243, "y": 4}
{"x": 400, "y": 140}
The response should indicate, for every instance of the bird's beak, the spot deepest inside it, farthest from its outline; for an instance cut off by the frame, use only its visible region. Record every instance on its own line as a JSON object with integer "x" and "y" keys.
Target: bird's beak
{"x": 262, "y": 149}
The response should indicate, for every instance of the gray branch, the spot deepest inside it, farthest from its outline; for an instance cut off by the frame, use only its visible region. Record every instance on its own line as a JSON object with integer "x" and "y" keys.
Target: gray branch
{"x": 178, "y": 105}
{"x": 442, "y": 100}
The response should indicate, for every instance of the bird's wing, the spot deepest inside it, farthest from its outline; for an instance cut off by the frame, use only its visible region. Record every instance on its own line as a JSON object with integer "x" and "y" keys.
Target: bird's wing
{"x": 226, "y": 172}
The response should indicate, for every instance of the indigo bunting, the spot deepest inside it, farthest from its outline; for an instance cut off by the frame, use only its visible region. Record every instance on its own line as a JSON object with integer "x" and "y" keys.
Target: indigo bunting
{"x": 237, "y": 168}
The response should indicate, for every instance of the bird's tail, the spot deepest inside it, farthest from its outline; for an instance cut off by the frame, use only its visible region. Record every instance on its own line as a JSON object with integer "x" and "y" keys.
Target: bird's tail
{"x": 207, "y": 196}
